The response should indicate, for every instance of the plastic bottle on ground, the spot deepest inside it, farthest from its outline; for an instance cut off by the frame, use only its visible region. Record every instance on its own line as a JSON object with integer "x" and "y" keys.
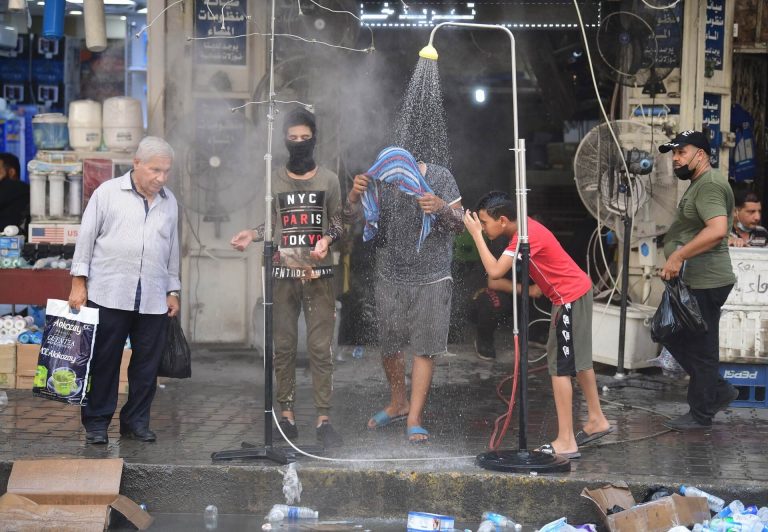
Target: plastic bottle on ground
{"x": 280, "y": 512}
{"x": 762, "y": 513}
{"x": 748, "y": 521}
{"x": 3, "y": 399}
{"x": 358, "y": 351}
{"x": 502, "y": 521}
{"x": 735, "y": 507}
{"x": 211, "y": 517}
{"x": 714, "y": 502}
{"x": 487, "y": 526}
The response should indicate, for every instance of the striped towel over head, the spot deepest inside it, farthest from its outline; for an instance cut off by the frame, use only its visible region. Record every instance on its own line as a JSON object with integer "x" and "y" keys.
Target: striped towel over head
{"x": 397, "y": 166}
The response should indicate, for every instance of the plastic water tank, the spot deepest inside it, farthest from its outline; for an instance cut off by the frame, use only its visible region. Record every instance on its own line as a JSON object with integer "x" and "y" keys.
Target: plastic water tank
{"x": 50, "y": 131}
{"x": 85, "y": 125}
{"x": 122, "y": 123}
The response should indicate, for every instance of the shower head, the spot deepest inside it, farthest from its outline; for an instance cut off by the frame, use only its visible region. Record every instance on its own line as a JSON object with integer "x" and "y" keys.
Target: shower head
{"x": 429, "y": 52}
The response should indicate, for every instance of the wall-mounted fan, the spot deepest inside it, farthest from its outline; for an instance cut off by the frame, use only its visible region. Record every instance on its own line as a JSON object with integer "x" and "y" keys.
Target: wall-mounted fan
{"x": 640, "y": 51}
{"x": 218, "y": 154}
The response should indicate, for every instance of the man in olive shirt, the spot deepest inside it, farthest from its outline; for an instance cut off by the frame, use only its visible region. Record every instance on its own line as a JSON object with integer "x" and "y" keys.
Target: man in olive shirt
{"x": 699, "y": 237}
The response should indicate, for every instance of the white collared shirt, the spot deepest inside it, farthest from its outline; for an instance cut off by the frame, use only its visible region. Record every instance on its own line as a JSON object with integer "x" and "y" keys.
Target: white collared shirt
{"x": 122, "y": 241}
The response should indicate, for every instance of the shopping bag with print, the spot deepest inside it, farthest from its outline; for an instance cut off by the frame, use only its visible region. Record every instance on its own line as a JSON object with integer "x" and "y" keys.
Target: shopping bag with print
{"x": 64, "y": 365}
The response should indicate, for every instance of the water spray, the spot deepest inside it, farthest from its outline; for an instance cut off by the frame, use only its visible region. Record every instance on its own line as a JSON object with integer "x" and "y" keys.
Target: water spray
{"x": 520, "y": 460}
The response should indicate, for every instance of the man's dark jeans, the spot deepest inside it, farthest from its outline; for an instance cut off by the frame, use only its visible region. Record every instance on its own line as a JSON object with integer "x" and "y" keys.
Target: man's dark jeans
{"x": 699, "y": 354}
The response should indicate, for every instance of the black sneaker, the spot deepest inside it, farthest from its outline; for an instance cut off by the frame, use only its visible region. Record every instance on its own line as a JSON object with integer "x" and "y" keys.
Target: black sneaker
{"x": 726, "y": 399}
{"x": 289, "y": 429}
{"x": 485, "y": 351}
{"x": 328, "y": 437}
{"x": 686, "y": 422}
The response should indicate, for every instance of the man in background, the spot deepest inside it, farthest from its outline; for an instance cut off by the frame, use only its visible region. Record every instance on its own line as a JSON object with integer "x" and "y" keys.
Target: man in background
{"x": 746, "y": 229}
{"x": 14, "y": 194}
{"x": 126, "y": 264}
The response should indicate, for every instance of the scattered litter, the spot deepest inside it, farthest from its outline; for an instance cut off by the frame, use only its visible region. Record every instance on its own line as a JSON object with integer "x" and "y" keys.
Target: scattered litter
{"x": 291, "y": 484}
{"x": 418, "y": 521}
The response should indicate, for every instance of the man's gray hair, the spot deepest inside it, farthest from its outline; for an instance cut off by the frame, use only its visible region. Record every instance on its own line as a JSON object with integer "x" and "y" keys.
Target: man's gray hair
{"x": 150, "y": 147}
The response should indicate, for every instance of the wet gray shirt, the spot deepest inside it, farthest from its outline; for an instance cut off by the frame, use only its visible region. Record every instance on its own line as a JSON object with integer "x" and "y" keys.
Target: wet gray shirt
{"x": 397, "y": 258}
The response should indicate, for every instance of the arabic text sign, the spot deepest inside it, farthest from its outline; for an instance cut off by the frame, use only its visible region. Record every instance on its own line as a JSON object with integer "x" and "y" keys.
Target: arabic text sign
{"x": 715, "y": 33}
{"x": 222, "y": 25}
{"x": 751, "y": 268}
{"x": 712, "y": 110}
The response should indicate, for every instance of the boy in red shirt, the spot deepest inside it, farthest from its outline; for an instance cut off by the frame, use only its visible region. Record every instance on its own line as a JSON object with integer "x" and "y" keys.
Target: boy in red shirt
{"x": 569, "y": 347}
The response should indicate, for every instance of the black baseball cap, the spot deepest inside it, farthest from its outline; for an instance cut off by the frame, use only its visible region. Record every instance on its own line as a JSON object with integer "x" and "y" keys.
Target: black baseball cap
{"x": 694, "y": 138}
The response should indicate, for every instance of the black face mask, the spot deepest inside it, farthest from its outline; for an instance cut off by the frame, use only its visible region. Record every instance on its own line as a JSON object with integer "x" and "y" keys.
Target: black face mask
{"x": 301, "y": 152}
{"x": 684, "y": 173}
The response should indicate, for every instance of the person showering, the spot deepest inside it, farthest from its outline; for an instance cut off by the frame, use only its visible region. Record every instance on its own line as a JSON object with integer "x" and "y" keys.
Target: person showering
{"x": 307, "y": 215}
{"x": 413, "y": 238}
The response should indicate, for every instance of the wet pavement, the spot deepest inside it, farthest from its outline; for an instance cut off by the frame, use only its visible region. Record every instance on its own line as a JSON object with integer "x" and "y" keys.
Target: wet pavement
{"x": 221, "y": 406}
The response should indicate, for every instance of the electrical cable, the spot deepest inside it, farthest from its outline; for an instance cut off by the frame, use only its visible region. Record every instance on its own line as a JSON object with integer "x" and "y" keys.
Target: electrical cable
{"x": 497, "y": 436}
{"x": 352, "y": 460}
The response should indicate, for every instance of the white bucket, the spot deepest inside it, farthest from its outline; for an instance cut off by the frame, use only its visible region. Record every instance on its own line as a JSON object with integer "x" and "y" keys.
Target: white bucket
{"x": 123, "y": 123}
{"x": 85, "y": 125}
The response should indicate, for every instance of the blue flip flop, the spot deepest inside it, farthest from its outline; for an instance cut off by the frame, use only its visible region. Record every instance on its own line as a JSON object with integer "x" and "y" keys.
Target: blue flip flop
{"x": 382, "y": 419}
{"x": 417, "y": 429}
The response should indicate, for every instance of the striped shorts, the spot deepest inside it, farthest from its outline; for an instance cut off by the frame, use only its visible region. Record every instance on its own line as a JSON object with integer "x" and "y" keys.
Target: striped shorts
{"x": 569, "y": 346}
{"x": 413, "y": 315}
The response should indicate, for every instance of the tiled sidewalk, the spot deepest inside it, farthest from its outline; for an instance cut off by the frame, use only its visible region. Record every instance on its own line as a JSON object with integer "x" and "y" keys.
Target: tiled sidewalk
{"x": 222, "y": 406}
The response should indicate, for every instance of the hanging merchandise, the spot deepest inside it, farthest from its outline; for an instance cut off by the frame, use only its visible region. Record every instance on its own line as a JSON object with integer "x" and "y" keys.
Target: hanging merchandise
{"x": 53, "y": 19}
{"x": 95, "y": 25}
{"x": 742, "y": 165}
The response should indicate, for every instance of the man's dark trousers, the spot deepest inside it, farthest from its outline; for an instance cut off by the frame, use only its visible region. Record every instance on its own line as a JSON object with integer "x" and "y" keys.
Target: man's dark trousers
{"x": 148, "y": 334}
{"x": 699, "y": 355}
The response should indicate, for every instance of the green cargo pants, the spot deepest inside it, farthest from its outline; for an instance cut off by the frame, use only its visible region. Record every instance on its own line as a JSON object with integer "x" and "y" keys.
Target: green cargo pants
{"x": 317, "y": 299}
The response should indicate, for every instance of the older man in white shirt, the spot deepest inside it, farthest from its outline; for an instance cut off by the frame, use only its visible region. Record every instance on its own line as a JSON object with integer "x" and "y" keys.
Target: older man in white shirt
{"x": 126, "y": 264}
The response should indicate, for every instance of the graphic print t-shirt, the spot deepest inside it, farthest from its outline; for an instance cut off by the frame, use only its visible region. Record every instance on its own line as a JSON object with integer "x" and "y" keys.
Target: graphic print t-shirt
{"x": 303, "y": 210}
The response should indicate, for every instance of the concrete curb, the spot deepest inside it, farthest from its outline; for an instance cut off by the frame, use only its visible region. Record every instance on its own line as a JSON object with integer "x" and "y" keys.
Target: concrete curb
{"x": 342, "y": 493}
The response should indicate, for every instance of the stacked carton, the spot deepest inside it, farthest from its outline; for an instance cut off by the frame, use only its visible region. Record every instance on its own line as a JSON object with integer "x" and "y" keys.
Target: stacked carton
{"x": 7, "y": 366}
{"x": 26, "y": 365}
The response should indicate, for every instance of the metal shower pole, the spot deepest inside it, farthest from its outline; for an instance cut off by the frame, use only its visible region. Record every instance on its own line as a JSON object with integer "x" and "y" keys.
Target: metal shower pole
{"x": 522, "y": 459}
{"x": 267, "y": 452}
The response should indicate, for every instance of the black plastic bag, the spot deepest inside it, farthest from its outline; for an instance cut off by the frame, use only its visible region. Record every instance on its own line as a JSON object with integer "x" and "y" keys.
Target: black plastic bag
{"x": 678, "y": 311}
{"x": 177, "y": 358}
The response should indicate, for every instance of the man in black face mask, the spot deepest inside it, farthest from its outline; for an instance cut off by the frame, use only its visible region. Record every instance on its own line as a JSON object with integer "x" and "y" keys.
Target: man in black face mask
{"x": 307, "y": 213}
{"x": 699, "y": 238}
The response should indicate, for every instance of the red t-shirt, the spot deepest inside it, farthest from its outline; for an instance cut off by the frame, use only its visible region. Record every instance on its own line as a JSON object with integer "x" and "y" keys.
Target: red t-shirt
{"x": 552, "y": 269}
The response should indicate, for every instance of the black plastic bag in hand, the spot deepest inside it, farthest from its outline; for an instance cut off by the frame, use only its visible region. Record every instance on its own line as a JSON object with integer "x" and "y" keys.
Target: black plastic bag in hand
{"x": 177, "y": 358}
{"x": 678, "y": 311}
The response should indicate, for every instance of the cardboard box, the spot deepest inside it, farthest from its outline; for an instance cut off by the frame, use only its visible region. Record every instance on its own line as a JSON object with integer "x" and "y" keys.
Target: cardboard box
{"x": 8, "y": 358}
{"x": 11, "y": 242}
{"x": 124, "y": 364}
{"x": 10, "y": 253}
{"x": 24, "y": 383}
{"x": 7, "y": 381}
{"x": 657, "y": 516}
{"x": 26, "y": 359}
{"x": 67, "y": 495}
{"x": 26, "y": 365}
